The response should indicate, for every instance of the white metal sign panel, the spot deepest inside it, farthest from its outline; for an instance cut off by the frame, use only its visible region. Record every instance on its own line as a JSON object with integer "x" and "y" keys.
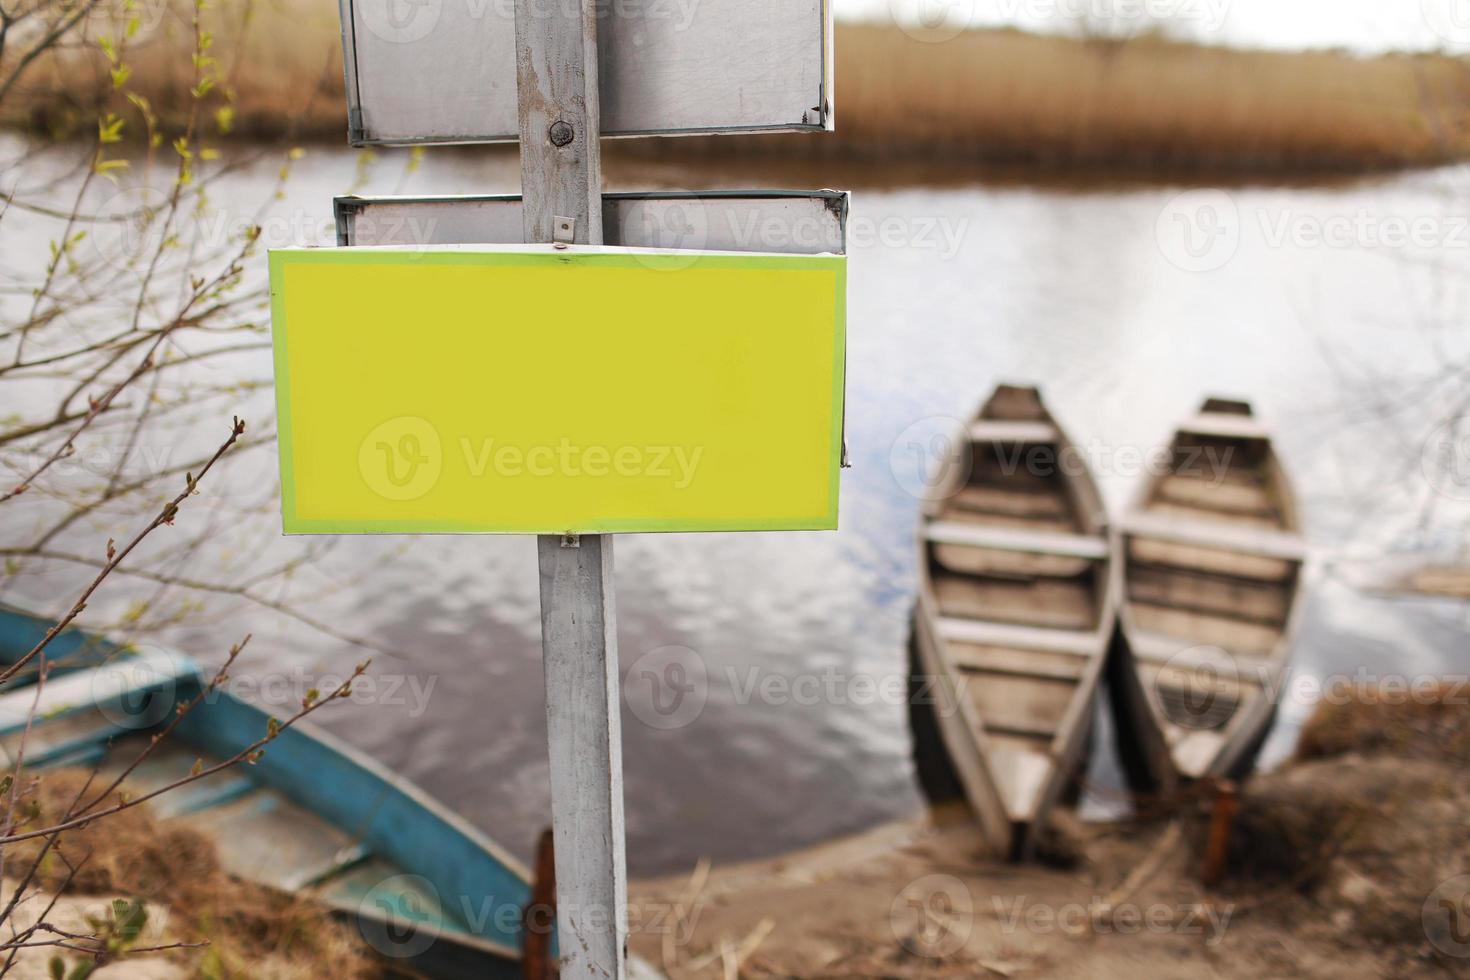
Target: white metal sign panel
{"x": 792, "y": 222}
{"x": 443, "y": 71}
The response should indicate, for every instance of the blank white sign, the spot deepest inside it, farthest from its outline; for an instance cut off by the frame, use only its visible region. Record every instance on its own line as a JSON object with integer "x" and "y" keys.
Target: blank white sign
{"x": 443, "y": 71}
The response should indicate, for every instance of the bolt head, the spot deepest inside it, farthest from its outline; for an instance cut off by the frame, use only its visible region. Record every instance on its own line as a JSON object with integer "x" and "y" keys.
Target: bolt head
{"x": 561, "y": 133}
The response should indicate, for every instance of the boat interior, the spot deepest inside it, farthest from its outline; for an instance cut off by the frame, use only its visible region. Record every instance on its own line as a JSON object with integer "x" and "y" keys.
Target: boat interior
{"x": 1017, "y": 561}
{"x": 1213, "y": 556}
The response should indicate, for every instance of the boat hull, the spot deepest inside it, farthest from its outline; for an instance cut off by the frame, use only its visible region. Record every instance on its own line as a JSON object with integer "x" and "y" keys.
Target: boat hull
{"x": 1013, "y": 622}
{"x": 311, "y": 816}
{"x": 1209, "y": 599}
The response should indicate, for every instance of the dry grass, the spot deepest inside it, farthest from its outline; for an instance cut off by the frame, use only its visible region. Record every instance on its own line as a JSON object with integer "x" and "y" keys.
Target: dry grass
{"x": 991, "y": 96}
{"x": 281, "y": 58}
{"x": 1333, "y": 862}
{"x": 1363, "y": 825}
{"x": 1404, "y": 722}
{"x": 1148, "y": 102}
{"x": 252, "y": 931}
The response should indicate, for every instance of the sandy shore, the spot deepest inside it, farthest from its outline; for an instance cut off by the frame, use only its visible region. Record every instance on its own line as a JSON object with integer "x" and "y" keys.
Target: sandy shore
{"x": 1348, "y": 862}
{"x": 1351, "y": 861}
{"x": 921, "y": 899}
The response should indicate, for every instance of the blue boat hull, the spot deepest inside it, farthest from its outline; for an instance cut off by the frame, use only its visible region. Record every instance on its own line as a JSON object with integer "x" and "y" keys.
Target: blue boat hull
{"x": 312, "y": 815}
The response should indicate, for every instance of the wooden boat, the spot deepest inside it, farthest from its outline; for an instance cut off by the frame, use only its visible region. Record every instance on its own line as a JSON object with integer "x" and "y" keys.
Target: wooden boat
{"x": 313, "y": 815}
{"x": 1014, "y": 614}
{"x": 1212, "y": 556}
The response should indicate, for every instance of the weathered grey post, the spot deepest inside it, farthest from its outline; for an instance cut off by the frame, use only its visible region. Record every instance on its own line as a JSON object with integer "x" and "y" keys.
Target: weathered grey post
{"x": 561, "y": 187}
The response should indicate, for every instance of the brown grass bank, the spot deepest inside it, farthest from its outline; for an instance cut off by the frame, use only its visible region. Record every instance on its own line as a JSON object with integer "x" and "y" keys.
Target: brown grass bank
{"x": 249, "y": 931}
{"x": 1004, "y": 96}
{"x": 984, "y": 97}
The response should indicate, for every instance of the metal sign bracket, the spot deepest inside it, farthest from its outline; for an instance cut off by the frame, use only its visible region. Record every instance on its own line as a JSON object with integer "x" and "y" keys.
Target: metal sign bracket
{"x": 563, "y": 231}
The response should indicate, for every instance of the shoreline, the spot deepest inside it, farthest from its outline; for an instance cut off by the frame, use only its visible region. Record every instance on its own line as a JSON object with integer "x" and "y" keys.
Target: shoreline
{"x": 636, "y": 171}
{"x": 1334, "y": 863}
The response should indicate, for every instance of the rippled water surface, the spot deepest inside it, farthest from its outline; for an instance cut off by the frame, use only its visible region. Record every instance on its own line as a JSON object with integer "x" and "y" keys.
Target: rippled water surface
{"x": 1126, "y": 304}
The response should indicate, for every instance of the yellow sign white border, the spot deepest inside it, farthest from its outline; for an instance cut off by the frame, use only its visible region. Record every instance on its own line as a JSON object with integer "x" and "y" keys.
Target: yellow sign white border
{"x": 527, "y": 389}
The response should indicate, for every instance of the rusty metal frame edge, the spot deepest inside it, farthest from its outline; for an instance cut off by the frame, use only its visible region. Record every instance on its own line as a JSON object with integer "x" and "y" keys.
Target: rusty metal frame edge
{"x": 355, "y": 134}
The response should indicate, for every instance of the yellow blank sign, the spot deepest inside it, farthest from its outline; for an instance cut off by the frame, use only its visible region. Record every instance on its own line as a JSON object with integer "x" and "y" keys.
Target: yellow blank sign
{"x": 528, "y": 390}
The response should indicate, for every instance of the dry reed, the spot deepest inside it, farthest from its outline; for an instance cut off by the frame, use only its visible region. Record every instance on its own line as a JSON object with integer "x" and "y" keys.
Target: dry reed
{"x": 251, "y": 931}
{"x": 984, "y": 96}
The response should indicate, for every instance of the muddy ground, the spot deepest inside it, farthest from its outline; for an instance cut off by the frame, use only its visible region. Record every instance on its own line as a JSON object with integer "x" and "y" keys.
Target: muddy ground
{"x": 1353, "y": 860}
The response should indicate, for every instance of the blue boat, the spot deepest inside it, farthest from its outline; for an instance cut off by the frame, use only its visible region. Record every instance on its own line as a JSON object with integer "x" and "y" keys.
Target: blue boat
{"x": 312, "y": 816}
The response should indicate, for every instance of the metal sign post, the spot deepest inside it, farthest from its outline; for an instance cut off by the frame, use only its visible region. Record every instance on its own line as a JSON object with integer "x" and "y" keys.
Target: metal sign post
{"x": 561, "y": 191}
{"x": 441, "y": 75}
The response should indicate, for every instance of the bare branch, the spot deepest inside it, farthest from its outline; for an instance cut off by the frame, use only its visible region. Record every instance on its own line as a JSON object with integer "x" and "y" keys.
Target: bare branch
{"x": 165, "y": 516}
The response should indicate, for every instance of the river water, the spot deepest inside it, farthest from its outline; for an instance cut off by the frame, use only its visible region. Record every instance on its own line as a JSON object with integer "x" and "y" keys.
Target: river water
{"x": 1337, "y": 310}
